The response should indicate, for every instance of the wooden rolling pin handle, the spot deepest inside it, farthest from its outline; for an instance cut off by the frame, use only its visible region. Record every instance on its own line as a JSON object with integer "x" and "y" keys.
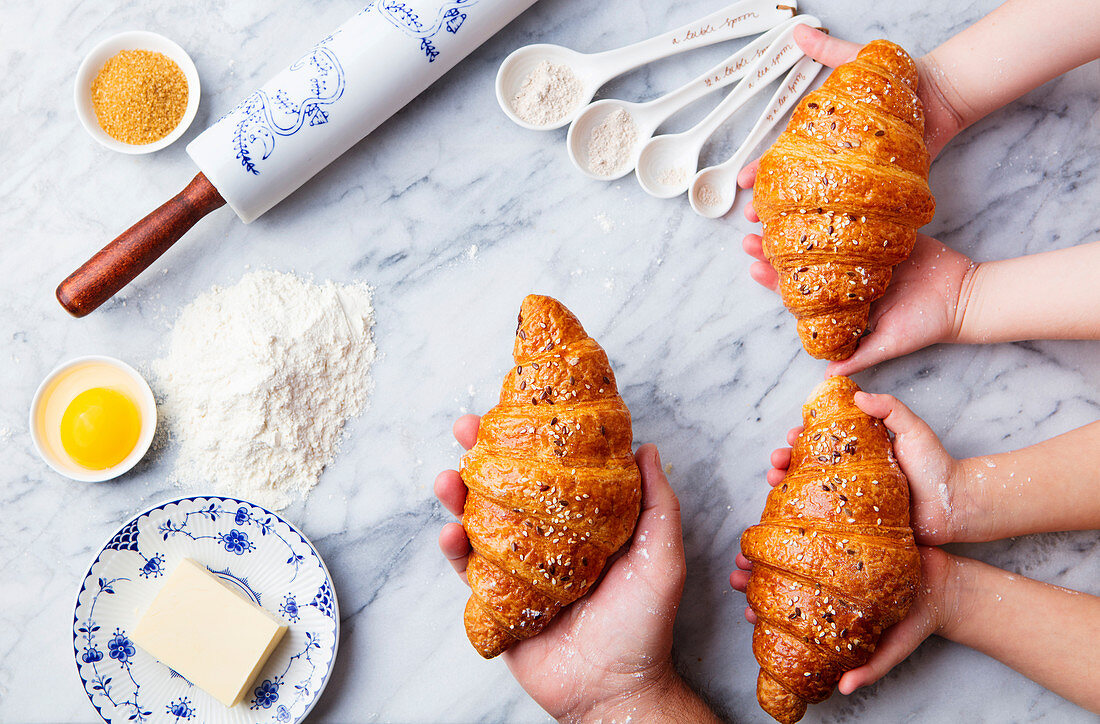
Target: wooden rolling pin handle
{"x": 118, "y": 263}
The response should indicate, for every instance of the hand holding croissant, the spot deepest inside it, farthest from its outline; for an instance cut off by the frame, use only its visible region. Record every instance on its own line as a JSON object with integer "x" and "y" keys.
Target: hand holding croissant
{"x": 841, "y": 193}
{"x": 834, "y": 560}
{"x": 608, "y": 655}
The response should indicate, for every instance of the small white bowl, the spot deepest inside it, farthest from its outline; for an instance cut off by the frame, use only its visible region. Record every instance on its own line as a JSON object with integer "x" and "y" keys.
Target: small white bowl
{"x": 58, "y": 390}
{"x": 93, "y": 63}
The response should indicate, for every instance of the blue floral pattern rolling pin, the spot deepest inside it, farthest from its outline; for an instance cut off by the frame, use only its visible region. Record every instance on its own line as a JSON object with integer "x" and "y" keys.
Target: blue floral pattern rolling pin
{"x": 278, "y": 137}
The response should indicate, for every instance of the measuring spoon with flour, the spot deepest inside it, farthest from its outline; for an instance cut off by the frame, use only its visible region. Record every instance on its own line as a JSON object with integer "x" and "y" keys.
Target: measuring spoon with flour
{"x": 545, "y": 86}
{"x": 605, "y": 139}
{"x": 668, "y": 162}
{"x": 714, "y": 189}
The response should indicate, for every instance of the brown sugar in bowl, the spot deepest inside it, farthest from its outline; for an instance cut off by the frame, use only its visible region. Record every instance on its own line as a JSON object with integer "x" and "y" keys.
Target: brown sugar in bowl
{"x": 158, "y": 100}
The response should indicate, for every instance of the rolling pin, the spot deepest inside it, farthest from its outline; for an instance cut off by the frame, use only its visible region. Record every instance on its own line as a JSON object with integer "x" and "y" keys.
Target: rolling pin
{"x": 278, "y": 137}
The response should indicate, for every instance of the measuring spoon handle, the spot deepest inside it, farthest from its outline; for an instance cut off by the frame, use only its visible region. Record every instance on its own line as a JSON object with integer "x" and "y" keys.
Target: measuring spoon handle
{"x": 780, "y": 55}
{"x": 747, "y": 17}
{"x": 725, "y": 73}
{"x": 792, "y": 88}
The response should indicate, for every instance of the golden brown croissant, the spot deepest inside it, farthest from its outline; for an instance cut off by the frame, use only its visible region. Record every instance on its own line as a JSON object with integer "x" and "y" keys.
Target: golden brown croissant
{"x": 841, "y": 194}
{"x": 834, "y": 561}
{"x": 553, "y": 486}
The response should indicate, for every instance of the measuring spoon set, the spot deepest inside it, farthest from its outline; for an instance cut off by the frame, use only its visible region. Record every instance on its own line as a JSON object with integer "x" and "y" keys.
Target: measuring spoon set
{"x": 667, "y": 165}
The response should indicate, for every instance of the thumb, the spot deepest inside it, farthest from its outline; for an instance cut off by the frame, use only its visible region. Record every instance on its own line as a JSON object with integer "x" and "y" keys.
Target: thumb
{"x": 824, "y": 48}
{"x": 896, "y": 644}
{"x": 919, "y": 451}
{"x": 903, "y": 638}
{"x": 658, "y": 538}
{"x": 874, "y": 348}
{"x": 898, "y": 418}
{"x": 660, "y": 506}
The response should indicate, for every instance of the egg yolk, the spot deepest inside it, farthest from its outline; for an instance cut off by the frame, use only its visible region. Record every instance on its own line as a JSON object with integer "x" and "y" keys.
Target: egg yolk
{"x": 100, "y": 428}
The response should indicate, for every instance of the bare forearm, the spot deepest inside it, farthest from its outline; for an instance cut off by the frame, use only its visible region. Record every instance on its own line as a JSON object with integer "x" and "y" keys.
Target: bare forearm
{"x": 1017, "y": 47}
{"x": 1047, "y": 633}
{"x": 1051, "y": 295}
{"x": 1052, "y": 486}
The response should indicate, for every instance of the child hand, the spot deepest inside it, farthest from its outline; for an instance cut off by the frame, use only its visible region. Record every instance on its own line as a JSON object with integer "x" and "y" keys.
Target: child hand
{"x": 938, "y": 497}
{"x": 941, "y": 121}
{"x": 920, "y": 307}
{"x": 933, "y": 474}
{"x": 934, "y": 609}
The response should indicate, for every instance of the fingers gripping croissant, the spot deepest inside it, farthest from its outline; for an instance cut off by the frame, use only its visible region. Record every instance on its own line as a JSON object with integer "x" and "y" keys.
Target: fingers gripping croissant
{"x": 553, "y": 486}
{"x": 834, "y": 561}
{"x": 841, "y": 194}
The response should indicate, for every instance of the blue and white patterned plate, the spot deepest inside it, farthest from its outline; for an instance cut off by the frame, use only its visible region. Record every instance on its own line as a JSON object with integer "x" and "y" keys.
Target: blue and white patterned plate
{"x": 251, "y": 548}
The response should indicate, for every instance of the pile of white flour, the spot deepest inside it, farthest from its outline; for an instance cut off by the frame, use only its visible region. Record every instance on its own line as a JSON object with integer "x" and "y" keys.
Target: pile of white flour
{"x": 548, "y": 93}
{"x": 258, "y": 382}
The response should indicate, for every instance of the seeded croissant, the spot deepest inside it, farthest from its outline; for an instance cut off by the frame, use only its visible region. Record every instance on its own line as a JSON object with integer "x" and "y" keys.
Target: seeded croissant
{"x": 834, "y": 561}
{"x": 841, "y": 194}
{"x": 553, "y": 486}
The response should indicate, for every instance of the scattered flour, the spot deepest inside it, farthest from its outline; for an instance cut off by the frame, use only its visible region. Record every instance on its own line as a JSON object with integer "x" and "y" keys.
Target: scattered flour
{"x": 260, "y": 378}
{"x": 605, "y": 222}
{"x": 612, "y": 143}
{"x": 547, "y": 94}
{"x": 945, "y": 499}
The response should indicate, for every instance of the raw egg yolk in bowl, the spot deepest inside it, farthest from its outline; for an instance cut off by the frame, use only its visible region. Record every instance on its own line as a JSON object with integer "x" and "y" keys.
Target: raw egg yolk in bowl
{"x": 100, "y": 428}
{"x": 93, "y": 418}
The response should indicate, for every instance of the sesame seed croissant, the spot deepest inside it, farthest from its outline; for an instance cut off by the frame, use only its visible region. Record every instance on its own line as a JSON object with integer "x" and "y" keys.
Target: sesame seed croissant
{"x": 553, "y": 486}
{"x": 834, "y": 560}
{"x": 841, "y": 194}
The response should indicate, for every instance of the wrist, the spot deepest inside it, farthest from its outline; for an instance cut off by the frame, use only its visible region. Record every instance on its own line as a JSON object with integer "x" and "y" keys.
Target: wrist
{"x": 965, "y": 306}
{"x": 946, "y": 112}
{"x": 964, "y": 500}
{"x": 640, "y": 689}
{"x": 958, "y": 599}
{"x": 661, "y": 696}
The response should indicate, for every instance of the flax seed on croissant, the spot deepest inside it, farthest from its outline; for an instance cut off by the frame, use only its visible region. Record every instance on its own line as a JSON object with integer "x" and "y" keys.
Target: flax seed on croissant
{"x": 841, "y": 194}
{"x": 553, "y": 486}
{"x": 834, "y": 560}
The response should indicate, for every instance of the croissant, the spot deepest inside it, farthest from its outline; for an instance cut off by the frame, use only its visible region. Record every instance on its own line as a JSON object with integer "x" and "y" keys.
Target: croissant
{"x": 841, "y": 194}
{"x": 553, "y": 487}
{"x": 834, "y": 561}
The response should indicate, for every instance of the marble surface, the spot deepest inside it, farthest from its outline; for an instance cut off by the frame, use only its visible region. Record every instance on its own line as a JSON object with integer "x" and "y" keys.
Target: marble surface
{"x": 454, "y": 214}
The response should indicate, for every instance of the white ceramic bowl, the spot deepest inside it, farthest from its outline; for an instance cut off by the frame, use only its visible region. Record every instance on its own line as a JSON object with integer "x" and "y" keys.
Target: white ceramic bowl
{"x": 58, "y": 390}
{"x": 100, "y": 54}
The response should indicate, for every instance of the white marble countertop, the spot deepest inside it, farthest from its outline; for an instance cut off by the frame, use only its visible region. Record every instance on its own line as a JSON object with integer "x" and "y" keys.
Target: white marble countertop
{"x": 454, "y": 214}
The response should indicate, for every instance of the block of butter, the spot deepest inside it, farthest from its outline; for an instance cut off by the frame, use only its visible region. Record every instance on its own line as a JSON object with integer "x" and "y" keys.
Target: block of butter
{"x": 208, "y": 632}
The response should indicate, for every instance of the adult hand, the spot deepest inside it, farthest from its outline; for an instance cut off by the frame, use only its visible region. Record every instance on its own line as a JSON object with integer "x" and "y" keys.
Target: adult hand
{"x": 609, "y": 654}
